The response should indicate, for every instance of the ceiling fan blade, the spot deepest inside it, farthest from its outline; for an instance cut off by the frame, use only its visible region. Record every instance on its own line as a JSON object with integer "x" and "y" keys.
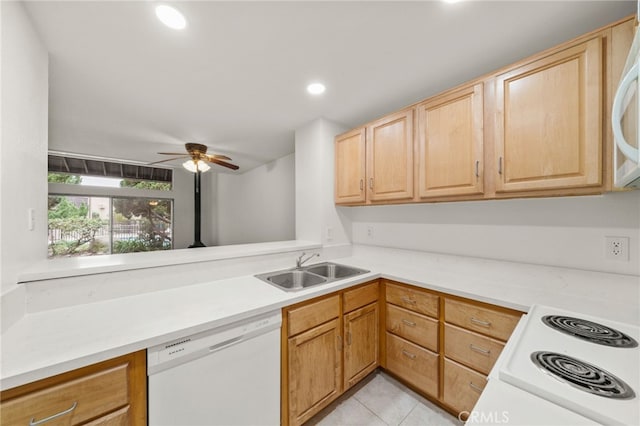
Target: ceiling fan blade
{"x": 172, "y": 153}
{"x": 223, "y": 163}
{"x": 169, "y": 159}
{"x": 219, "y": 157}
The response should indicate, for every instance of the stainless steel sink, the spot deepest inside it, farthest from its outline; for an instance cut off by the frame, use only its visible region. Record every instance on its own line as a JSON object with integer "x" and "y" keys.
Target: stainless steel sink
{"x": 301, "y": 278}
{"x": 295, "y": 280}
{"x": 334, "y": 270}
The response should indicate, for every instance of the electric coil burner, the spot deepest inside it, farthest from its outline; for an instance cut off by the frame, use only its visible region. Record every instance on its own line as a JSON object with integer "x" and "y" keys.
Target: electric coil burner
{"x": 581, "y": 362}
{"x": 591, "y": 331}
{"x": 582, "y": 375}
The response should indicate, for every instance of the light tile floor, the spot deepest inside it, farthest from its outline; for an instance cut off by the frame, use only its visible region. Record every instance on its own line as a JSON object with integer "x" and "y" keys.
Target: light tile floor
{"x": 380, "y": 400}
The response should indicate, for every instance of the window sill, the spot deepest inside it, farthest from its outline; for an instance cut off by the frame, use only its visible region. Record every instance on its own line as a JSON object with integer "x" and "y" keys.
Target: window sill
{"x": 88, "y": 265}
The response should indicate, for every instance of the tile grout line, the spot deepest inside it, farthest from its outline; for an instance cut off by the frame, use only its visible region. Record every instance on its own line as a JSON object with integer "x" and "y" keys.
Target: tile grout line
{"x": 410, "y": 411}
{"x": 371, "y": 411}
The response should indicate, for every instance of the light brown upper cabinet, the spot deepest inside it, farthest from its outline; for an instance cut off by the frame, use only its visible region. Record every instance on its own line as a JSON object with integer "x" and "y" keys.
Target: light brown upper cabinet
{"x": 537, "y": 128}
{"x": 375, "y": 163}
{"x": 350, "y": 167}
{"x": 450, "y": 144}
{"x": 548, "y": 132}
{"x": 390, "y": 157}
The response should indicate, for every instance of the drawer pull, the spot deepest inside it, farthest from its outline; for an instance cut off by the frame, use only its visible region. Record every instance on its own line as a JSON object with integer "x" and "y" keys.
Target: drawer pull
{"x": 480, "y": 322}
{"x": 408, "y": 354}
{"x": 475, "y": 388}
{"x": 33, "y": 421}
{"x": 409, "y": 323}
{"x": 349, "y": 338}
{"x": 405, "y": 299}
{"x": 479, "y": 349}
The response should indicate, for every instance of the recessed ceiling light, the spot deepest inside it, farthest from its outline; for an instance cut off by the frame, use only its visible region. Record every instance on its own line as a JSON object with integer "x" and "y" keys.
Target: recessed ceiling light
{"x": 316, "y": 88}
{"x": 171, "y": 17}
{"x": 451, "y": 1}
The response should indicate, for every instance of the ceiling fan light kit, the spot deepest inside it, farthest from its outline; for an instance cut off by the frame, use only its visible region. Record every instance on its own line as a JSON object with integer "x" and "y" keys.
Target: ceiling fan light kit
{"x": 195, "y": 166}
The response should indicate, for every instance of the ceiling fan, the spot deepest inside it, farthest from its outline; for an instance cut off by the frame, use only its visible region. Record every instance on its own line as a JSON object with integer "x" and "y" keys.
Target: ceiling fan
{"x": 199, "y": 158}
{"x": 198, "y": 164}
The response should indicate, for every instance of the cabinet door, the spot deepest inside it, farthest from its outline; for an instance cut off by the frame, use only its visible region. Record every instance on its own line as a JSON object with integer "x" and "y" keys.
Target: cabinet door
{"x": 350, "y": 167}
{"x": 390, "y": 157}
{"x": 549, "y": 121}
{"x": 361, "y": 343}
{"x": 462, "y": 386}
{"x": 315, "y": 360}
{"x": 450, "y": 139}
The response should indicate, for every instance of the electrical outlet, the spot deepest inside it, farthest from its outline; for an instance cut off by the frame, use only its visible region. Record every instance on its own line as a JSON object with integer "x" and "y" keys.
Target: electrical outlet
{"x": 370, "y": 232}
{"x": 31, "y": 219}
{"x": 617, "y": 248}
{"x": 329, "y": 233}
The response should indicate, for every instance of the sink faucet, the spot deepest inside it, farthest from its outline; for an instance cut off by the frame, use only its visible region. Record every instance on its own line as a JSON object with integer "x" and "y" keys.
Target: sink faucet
{"x": 300, "y": 260}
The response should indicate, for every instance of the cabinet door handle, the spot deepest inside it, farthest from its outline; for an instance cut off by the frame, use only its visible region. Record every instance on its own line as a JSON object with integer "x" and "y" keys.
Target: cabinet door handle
{"x": 408, "y": 354}
{"x": 475, "y": 388}
{"x": 479, "y": 349}
{"x": 339, "y": 343}
{"x": 477, "y": 168}
{"x": 370, "y": 183}
{"x": 500, "y": 165}
{"x": 409, "y": 323}
{"x": 349, "y": 338}
{"x": 33, "y": 421}
{"x": 361, "y": 184}
{"x": 405, "y": 299}
{"x": 480, "y": 322}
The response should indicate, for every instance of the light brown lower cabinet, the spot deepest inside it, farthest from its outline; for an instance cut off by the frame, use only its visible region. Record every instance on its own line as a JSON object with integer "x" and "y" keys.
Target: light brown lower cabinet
{"x": 112, "y": 392}
{"x": 414, "y": 364}
{"x": 315, "y": 370}
{"x": 440, "y": 345}
{"x": 462, "y": 386}
{"x": 361, "y": 343}
{"x": 329, "y": 344}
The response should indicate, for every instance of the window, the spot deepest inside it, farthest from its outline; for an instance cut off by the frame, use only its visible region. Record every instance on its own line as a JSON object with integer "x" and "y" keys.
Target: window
{"x": 100, "y": 213}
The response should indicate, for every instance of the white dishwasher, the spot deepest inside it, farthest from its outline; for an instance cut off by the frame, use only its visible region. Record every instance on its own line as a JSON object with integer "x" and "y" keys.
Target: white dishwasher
{"x": 224, "y": 376}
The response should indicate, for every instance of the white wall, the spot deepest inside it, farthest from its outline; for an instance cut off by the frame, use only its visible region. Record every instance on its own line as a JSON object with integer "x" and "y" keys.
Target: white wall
{"x": 258, "y": 205}
{"x": 317, "y": 218}
{"x": 23, "y": 156}
{"x": 564, "y": 231}
{"x": 183, "y": 204}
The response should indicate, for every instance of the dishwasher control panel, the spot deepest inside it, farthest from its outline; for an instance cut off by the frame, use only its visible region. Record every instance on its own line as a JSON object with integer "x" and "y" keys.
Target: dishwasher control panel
{"x": 162, "y": 357}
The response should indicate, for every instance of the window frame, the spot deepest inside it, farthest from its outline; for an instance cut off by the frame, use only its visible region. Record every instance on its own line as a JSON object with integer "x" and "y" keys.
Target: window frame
{"x": 74, "y": 190}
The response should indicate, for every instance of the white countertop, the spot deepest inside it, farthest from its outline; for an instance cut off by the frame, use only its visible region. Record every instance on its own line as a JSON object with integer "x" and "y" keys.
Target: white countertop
{"x": 87, "y": 265}
{"x": 50, "y": 342}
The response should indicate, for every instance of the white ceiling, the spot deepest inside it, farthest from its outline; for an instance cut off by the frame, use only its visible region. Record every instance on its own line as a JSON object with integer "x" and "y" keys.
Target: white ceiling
{"x": 122, "y": 85}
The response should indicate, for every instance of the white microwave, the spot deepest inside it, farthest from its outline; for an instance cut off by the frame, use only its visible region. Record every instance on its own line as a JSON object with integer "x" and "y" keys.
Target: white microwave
{"x": 625, "y": 117}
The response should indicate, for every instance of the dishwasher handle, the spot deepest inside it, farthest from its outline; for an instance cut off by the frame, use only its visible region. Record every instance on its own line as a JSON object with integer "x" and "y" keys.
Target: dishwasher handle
{"x": 225, "y": 344}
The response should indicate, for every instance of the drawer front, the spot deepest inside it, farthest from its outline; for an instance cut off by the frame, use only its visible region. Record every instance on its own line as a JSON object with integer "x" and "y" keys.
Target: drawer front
{"x": 414, "y": 327}
{"x": 480, "y": 319}
{"x": 359, "y": 297}
{"x": 415, "y": 300}
{"x": 471, "y": 349}
{"x": 462, "y": 386}
{"x": 90, "y": 397}
{"x": 117, "y": 418}
{"x": 311, "y": 315}
{"x": 415, "y": 365}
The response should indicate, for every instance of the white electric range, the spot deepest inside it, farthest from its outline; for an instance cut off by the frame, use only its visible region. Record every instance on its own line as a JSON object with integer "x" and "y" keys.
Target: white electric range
{"x": 587, "y": 366}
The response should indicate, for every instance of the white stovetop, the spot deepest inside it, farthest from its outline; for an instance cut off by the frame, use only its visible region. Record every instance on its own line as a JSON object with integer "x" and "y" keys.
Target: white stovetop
{"x": 518, "y": 369}
{"x": 50, "y": 342}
